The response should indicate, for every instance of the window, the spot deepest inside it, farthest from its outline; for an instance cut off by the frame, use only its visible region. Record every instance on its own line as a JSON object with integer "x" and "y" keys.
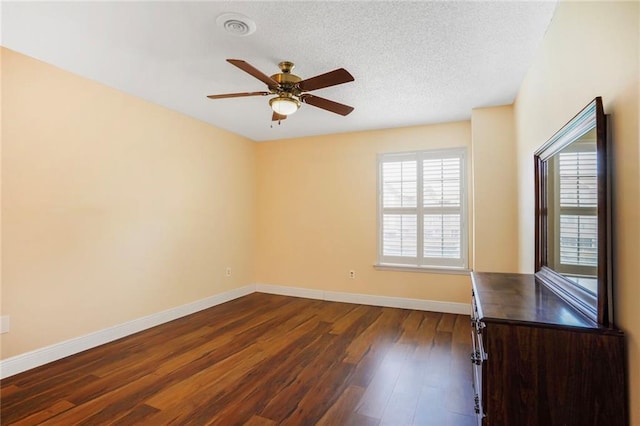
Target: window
{"x": 578, "y": 197}
{"x": 422, "y": 209}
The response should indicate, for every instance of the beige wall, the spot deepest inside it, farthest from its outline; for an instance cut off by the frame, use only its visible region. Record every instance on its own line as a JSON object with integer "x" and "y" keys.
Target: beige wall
{"x": 316, "y": 204}
{"x": 1, "y": 120}
{"x": 494, "y": 190}
{"x": 591, "y": 49}
{"x": 112, "y": 208}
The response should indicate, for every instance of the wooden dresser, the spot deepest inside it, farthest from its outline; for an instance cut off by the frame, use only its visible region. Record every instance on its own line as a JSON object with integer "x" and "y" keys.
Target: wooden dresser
{"x": 537, "y": 361}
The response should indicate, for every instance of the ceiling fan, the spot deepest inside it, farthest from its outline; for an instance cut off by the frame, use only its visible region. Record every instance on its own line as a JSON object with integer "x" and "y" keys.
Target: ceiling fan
{"x": 291, "y": 91}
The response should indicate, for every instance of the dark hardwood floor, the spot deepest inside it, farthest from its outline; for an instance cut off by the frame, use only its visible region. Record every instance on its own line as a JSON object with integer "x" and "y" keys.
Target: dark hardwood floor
{"x": 262, "y": 360}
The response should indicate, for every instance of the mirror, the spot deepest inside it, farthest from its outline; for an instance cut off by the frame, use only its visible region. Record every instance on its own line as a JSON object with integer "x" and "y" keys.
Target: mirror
{"x": 572, "y": 228}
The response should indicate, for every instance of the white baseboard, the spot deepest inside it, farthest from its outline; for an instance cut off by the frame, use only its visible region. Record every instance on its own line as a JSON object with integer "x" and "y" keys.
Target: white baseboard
{"x": 38, "y": 357}
{"x": 290, "y": 291}
{"x": 368, "y": 299}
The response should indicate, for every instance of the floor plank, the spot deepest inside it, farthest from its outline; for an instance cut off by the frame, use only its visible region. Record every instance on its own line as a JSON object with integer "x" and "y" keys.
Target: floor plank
{"x": 262, "y": 360}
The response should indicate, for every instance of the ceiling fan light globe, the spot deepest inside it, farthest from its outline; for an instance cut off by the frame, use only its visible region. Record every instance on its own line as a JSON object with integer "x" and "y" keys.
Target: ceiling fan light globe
{"x": 284, "y": 105}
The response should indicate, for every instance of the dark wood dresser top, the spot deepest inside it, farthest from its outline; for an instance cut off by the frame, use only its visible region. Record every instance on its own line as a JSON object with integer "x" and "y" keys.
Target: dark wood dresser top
{"x": 518, "y": 298}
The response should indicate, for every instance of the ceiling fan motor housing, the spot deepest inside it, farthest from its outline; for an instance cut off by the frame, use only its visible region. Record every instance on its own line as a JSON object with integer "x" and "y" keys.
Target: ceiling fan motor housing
{"x": 286, "y": 79}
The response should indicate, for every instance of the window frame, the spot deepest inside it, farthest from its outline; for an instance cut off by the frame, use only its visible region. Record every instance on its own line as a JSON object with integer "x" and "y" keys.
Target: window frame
{"x": 419, "y": 262}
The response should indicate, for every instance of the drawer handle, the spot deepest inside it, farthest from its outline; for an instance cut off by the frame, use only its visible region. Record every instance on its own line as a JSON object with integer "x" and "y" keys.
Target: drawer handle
{"x": 477, "y": 324}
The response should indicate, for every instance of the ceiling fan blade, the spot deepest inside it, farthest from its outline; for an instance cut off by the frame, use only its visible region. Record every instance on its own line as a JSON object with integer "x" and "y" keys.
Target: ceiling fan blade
{"x": 329, "y": 79}
{"x": 238, "y": 95}
{"x": 250, "y": 69}
{"x": 278, "y": 117}
{"x": 323, "y": 103}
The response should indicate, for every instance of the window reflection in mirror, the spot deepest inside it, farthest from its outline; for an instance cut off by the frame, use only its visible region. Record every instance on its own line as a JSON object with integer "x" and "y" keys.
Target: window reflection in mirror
{"x": 572, "y": 212}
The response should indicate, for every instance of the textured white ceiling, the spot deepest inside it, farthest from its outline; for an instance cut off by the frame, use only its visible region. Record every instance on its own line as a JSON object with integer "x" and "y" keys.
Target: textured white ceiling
{"x": 413, "y": 62}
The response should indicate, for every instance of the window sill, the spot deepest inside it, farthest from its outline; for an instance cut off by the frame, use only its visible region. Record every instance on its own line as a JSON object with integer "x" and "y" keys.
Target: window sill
{"x": 424, "y": 269}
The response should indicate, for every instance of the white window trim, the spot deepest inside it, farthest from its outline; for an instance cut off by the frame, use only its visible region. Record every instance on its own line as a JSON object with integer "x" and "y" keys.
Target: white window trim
{"x": 419, "y": 265}
{"x": 423, "y": 269}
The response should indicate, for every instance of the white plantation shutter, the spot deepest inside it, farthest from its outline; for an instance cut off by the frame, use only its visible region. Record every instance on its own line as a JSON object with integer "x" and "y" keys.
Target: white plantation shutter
{"x": 442, "y": 204}
{"x": 578, "y": 208}
{"x": 442, "y": 236}
{"x": 401, "y": 236}
{"x": 578, "y": 240}
{"x": 399, "y": 179}
{"x": 400, "y": 184}
{"x": 422, "y": 209}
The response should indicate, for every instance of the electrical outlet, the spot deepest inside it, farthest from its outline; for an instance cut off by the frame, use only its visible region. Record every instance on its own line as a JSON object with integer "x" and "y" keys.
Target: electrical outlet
{"x": 228, "y": 271}
{"x": 352, "y": 274}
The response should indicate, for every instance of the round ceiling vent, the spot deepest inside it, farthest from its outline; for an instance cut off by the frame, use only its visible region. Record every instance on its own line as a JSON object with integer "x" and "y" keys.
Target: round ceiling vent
{"x": 236, "y": 24}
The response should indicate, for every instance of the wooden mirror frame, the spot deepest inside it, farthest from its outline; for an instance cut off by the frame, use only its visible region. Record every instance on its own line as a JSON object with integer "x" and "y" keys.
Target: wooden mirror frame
{"x": 596, "y": 307}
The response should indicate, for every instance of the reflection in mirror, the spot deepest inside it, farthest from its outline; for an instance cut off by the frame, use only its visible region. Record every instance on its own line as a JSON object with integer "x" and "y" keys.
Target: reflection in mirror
{"x": 572, "y": 201}
{"x": 572, "y": 214}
